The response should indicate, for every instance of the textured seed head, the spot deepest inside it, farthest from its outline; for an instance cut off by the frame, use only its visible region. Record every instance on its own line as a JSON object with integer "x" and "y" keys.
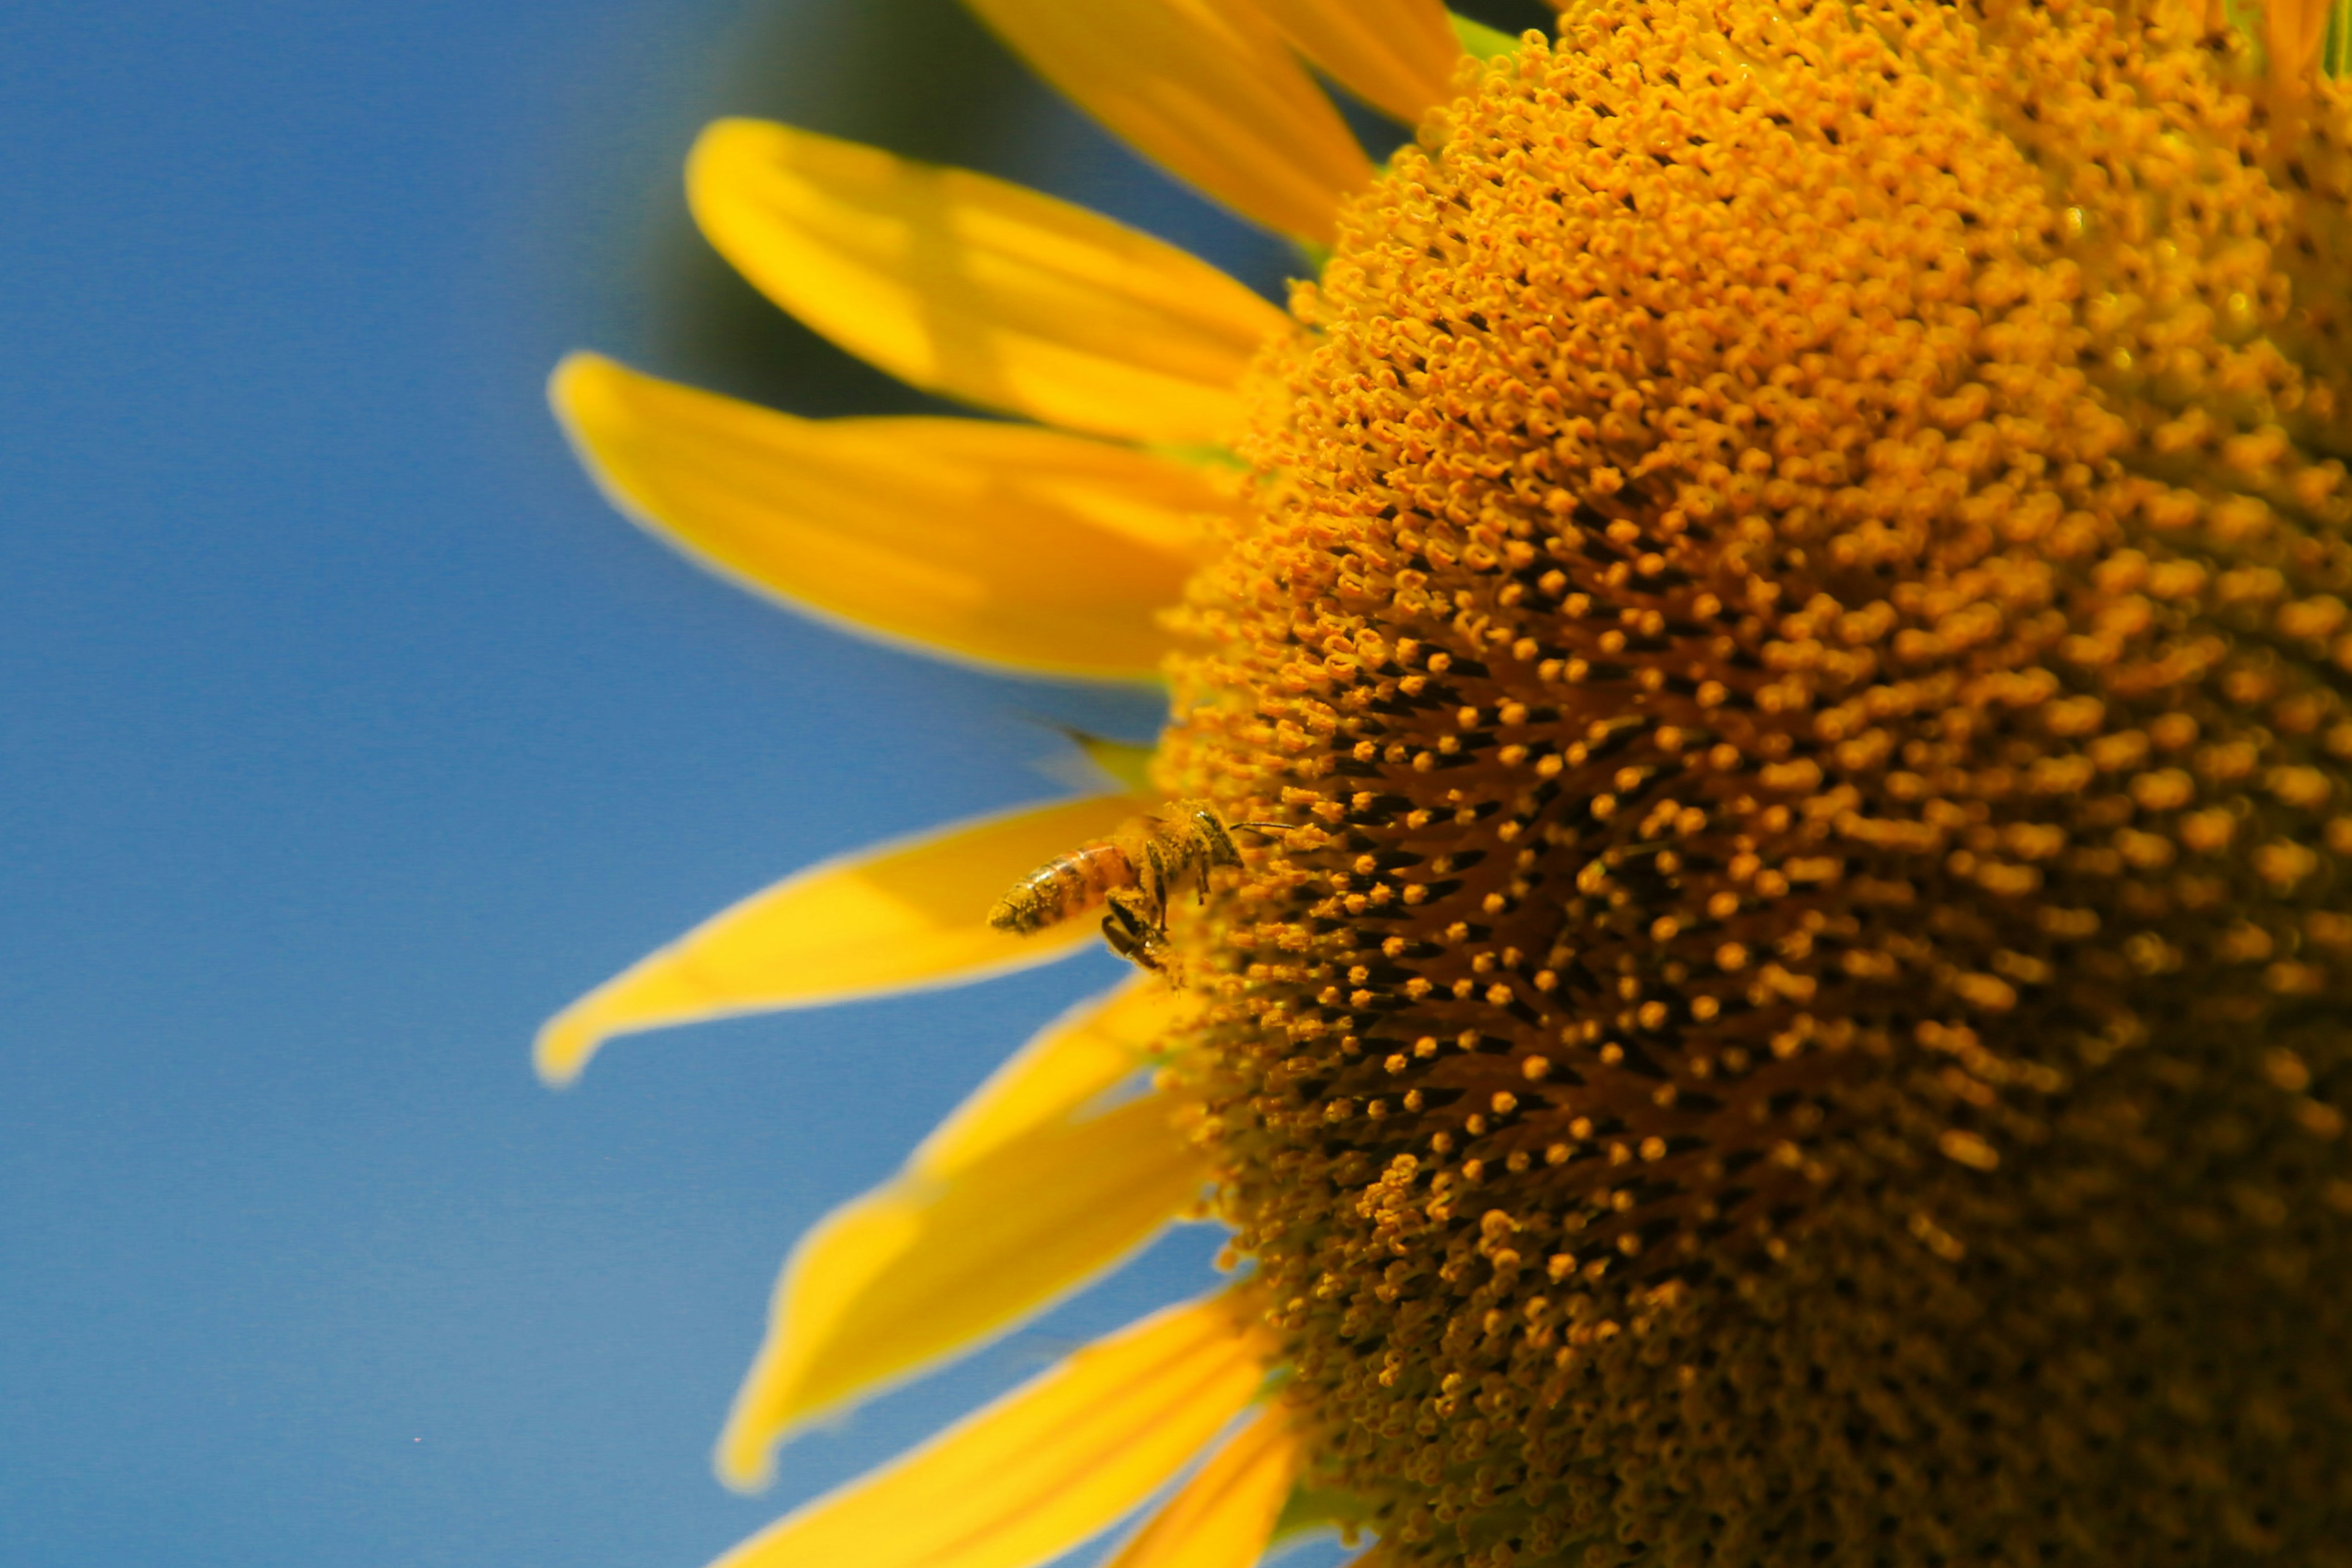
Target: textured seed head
{"x": 1798, "y": 604}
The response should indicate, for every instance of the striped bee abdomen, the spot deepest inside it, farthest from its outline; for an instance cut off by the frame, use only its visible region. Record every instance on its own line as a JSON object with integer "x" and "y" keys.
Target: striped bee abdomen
{"x": 1065, "y": 886}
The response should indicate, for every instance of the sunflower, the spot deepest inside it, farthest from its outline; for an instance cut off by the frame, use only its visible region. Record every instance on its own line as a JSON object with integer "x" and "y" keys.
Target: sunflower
{"x": 1780, "y": 601}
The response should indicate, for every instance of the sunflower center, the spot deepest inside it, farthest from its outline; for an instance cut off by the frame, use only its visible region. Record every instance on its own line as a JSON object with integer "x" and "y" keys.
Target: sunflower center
{"x": 1797, "y": 612}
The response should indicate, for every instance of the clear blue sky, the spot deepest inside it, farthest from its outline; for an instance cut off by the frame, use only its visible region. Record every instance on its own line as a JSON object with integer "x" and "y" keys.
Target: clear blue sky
{"x": 344, "y": 734}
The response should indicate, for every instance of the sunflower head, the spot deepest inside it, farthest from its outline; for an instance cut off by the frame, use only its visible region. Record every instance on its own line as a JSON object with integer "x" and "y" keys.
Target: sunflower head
{"x": 1797, "y": 598}
{"x": 1791, "y": 604}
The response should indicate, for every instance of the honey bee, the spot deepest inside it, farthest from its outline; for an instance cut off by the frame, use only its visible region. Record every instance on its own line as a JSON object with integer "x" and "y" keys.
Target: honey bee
{"x": 1129, "y": 875}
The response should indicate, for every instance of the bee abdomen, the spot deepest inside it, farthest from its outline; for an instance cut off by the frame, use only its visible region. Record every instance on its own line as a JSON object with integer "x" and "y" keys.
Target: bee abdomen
{"x": 1065, "y": 886}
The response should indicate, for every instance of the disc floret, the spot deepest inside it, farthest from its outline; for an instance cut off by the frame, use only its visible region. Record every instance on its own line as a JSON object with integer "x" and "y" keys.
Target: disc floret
{"x": 1800, "y": 599}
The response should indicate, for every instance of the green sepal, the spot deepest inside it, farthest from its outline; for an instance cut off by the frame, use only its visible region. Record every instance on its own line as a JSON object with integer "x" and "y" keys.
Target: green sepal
{"x": 1480, "y": 40}
{"x": 1310, "y": 1511}
{"x": 1197, "y": 454}
{"x": 2244, "y": 17}
{"x": 1128, "y": 764}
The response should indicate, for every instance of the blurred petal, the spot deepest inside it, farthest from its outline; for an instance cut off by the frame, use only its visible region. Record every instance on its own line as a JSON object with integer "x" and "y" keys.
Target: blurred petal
{"x": 1013, "y": 1201}
{"x": 1044, "y": 1467}
{"x": 1205, "y": 88}
{"x": 965, "y": 285}
{"x": 1396, "y": 55}
{"x": 899, "y": 917}
{"x": 1223, "y": 1516}
{"x": 1003, "y": 543}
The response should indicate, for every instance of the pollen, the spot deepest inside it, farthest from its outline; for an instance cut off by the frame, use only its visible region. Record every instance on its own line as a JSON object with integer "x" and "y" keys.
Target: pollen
{"x": 1795, "y": 617}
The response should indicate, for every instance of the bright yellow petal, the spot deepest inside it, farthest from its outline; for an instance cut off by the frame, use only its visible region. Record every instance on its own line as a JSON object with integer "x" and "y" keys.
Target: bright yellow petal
{"x": 1395, "y": 55}
{"x": 1223, "y": 1516}
{"x": 966, "y": 285}
{"x": 1087, "y": 1050}
{"x": 1043, "y": 1468}
{"x": 918, "y": 1269}
{"x": 1015, "y": 1200}
{"x": 1205, "y": 87}
{"x": 903, "y": 1277}
{"x": 899, "y": 917}
{"x": 929, "y": 532}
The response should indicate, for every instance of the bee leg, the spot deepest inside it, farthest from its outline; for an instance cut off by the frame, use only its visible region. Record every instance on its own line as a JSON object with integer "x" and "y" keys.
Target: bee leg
{"x": 1126, "y": 944}
{"x": 1158, "y": 889}
{"x": 1131, "y": 936}
{"x": 1208, "y": 863}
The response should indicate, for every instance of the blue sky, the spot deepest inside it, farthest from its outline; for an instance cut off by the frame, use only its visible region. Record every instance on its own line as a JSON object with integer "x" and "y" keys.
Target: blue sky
{"x": 344, "y": 734}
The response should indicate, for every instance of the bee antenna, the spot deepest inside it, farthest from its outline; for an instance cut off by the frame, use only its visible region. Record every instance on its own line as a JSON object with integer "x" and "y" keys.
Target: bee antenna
{"x": 1267, "y": 826}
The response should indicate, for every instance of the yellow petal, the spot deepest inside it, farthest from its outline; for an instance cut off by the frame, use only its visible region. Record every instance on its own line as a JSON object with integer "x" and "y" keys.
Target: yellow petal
{"x": 908, "y": 1274}
{"x": 1043, "y": 1468}
{"x": 899, "y": 917}
{"x": 966, "y": 285}
{"x": 1016, "y": 1201}
{"x": 1205, "y": 88}
{"x": 1223, "y": 1516}
{"x": 1087, "y": 1050}
{"x": 929, "y": 532}
{"x": 1395, "y": 55}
